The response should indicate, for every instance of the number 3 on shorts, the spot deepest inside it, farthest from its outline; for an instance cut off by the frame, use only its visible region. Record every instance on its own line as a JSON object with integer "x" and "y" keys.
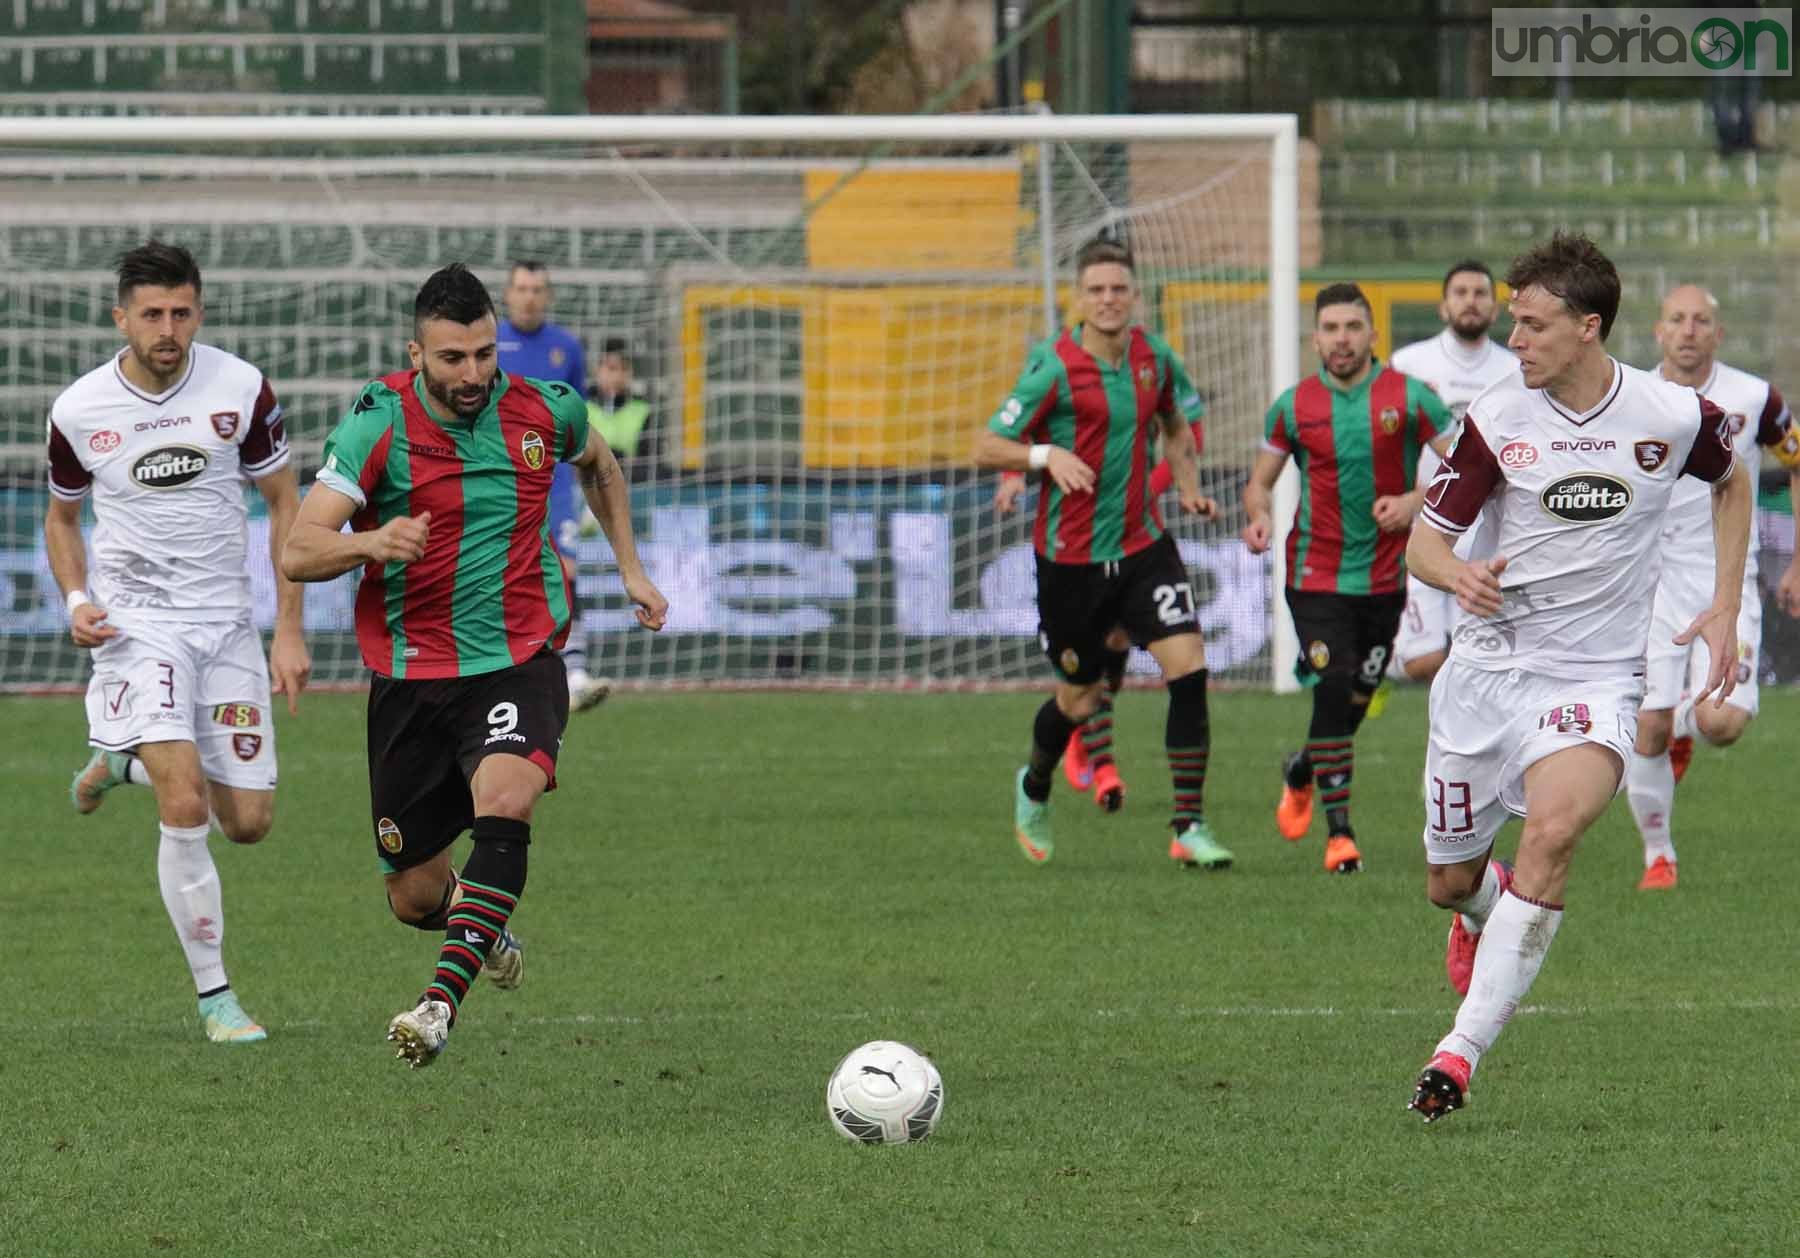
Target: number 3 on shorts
{"x": 1174, "y": 603}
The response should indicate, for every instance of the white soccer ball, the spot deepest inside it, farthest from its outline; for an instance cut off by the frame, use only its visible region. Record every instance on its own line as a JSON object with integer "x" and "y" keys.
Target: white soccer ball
{"x": 885, "y": 1092}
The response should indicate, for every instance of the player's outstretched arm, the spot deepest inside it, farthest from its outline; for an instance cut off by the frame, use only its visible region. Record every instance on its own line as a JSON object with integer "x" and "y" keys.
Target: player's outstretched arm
{"x": 609, "y": 498}
{"x": 1071, "y": 473}
{"x": 318, "y": 549}
{"x": 1184, "y": 466}
{"x": 1431, "y": 557}
{"x": 68, "y": 564}
{"x": 1732, "y": 501}
{"x": 290, "y": 665}
{"x": 1259, "y": 498}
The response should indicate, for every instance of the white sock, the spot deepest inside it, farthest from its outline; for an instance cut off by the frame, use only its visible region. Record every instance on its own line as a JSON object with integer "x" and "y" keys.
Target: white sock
{"x": 1518, "y": 935}
{"x": 1684, "y": 718}
{"x": 190, "y": 892}
{"x": 1650, "y": 789}
{"x": 1480, "y": 904}
{"x": 136, "y": 773}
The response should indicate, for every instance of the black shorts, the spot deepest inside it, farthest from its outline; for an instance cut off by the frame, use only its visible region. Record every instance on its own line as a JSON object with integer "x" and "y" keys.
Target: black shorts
{"x": 426, "y": 739}
{"x": 1345, "y": 636}
{"x": 1147, "y": 594}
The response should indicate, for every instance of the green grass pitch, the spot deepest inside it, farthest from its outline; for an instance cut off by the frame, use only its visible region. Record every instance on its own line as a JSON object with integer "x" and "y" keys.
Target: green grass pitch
{"x": 732, "y": 890}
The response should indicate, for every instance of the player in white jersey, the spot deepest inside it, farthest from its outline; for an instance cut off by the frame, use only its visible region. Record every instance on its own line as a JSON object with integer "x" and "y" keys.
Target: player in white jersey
{"x": 1457, "y": 363}
{"x": 163, "y": 436}
{"x": 1575, "y": 459}
{"x": 1688, "y": 331}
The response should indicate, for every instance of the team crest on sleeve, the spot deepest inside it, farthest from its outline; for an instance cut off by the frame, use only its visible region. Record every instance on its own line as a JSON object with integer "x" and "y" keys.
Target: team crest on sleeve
{"x": 1651, "y": 454}
{"x": 531, "y": 448}
{"x": 225, "y": 423}
{"x": 1390, "y": 420}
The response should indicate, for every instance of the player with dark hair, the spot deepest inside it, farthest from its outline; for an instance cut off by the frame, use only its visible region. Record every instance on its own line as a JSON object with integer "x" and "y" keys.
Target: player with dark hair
{"x": 1536, "y": 711}
{"x": 164, "y": 434}
{"x": 444, "y": 474}
{"x": 532, "y": 346}
{"x": 1082, "y": 417}
{"x": 1355, "y": 430}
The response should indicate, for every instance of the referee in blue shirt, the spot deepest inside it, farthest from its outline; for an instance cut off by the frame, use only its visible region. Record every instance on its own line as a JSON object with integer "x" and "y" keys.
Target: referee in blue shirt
{"x": 530, "y": 345}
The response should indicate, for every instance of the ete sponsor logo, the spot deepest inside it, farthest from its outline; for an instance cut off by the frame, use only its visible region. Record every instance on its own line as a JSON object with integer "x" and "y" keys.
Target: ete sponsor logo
{"x": 105, "y": 441}
{"x": 168, "y": 467}
{"x": 1586, "y": 498}
{"x": 1518, "y": 454}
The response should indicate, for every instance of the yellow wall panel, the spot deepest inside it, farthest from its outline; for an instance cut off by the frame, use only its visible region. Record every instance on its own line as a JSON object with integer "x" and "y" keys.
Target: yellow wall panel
{"x": 913, "y": 219}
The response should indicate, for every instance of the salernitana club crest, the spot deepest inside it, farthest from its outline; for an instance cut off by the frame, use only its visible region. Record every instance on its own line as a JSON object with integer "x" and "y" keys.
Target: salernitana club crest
{"x": 531, "y": 448}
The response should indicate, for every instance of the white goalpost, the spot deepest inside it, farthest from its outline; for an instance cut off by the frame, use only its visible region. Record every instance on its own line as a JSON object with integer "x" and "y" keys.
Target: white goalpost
{"x": 820, "y": 312}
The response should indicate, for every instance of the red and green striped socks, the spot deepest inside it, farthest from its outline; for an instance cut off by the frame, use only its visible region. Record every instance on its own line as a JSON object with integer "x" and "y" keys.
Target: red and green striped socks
{"x": 1333, "y": 761}
{"x": 1188, "y": 740}
{"x": 492, "y": 881}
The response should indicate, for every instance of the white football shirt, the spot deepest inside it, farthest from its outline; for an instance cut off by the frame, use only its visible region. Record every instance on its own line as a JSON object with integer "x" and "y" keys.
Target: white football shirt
{"x": 1578, "y": 503}
{"x": 1758, "y": 417}
{"x": 167, "y": 473}
{"x": 1455, "y": 374}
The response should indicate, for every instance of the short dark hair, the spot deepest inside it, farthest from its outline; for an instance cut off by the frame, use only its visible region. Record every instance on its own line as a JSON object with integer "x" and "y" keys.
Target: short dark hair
{"x": 1570, "y": 266}
{"x": 1474, "y": 266}
{"x": 1340, "y": 295}
{"x": 1102, "y": 249}
{"x": 529, "y": 264}
{"x": 616, "y": 345}
{"x": 455, "y": 293}
{"x": 153, "y": 262}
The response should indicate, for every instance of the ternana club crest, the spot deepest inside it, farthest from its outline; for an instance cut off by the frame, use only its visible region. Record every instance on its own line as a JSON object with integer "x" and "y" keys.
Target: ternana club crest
{"x": 1146, "y": 377}
{"x": 531, "y": 448}
{"x": 1390, "y": 420}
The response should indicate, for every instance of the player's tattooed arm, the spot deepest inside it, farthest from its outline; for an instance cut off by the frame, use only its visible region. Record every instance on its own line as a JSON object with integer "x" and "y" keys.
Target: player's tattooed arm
{"x": 609, "y": 498}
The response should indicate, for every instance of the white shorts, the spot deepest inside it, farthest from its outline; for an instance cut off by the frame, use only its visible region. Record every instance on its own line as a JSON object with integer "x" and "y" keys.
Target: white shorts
{"x": 1487, "y": 728}
{"x": 1424, "y": 625}
{"x": 1670, "y": 671}
{"x": 202, "y": 682}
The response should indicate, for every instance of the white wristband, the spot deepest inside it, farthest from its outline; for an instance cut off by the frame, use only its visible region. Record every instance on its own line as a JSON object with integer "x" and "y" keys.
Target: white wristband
{"x": 76, "y": 598}
{"x": 1038, "y": 458}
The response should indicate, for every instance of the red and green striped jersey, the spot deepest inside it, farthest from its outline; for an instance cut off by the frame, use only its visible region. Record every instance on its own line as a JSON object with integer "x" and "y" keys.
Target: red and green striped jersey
{"x": 1352, "y": 446}
{"x": 1108, "y": 416}
{"x": 488, "y": 592}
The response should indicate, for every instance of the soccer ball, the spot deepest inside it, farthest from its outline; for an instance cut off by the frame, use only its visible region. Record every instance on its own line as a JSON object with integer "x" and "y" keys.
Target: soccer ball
{"x": 885, "y": 1093}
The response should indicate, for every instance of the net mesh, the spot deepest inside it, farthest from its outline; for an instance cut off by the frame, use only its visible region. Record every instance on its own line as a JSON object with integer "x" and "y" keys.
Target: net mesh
{"x": 819, "y": 332}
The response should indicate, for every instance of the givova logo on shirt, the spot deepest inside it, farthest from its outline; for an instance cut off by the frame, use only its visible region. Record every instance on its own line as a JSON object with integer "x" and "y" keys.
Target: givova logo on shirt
{"x": 1586, "y": 497}
{"x": 168, "y": 467}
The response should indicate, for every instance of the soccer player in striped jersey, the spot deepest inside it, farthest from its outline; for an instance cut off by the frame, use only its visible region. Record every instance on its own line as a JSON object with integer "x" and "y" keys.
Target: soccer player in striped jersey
{"x": 1355, "y": 431}
{"x": 1088, "y": 762}
{"x": 1082, "y": 417}
{"x": 444, "y": 474}
{"x": 1688, "y": 330}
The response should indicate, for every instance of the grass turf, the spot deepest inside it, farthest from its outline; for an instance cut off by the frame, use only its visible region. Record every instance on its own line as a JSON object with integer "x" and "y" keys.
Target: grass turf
{"x": 731, "y": 891}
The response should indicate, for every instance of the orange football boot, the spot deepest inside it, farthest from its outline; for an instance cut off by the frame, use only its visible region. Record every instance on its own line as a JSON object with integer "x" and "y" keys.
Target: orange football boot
{"x": 1660, "y": 876}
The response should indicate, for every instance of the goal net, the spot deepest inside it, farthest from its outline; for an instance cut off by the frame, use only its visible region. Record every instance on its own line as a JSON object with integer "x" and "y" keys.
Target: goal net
{"x": 820, "y": 315}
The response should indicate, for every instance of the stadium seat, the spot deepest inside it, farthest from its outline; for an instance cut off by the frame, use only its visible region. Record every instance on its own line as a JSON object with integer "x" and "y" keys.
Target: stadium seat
{"x": 140, "y": 68}
{"x": 414, "y": 17}
{"x": 250, "y": 245}
{"x": 344, "y": 67}
{"x": 553, "y": 246}
{"x": 405, "y": 247}
{"x": 63, "y": 68}
{"x": 50, "y": 17}
{"x": 478, "y": 246}
{"x": 500, "y": 16}
{"x": 337, "y": 17}
{"x": 415, "y": 69}
{"x": 619, "y": 248}
{"x": 500, "y": 68}
{"x": 275, "y": 68}
{"x": 322, "y": 244}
